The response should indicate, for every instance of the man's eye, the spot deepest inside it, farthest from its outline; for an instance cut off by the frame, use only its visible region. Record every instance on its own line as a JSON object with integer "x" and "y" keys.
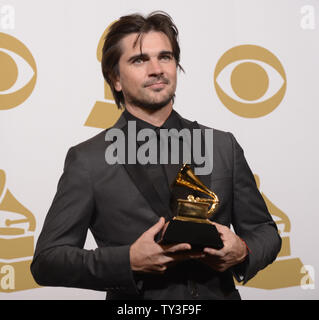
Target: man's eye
{"x": 166, "y": 58}
{"x": 138, "y": 61}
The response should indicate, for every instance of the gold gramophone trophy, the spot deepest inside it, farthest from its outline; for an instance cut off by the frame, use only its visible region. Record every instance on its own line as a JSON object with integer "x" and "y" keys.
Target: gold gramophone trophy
{"x": 192, "y": 211}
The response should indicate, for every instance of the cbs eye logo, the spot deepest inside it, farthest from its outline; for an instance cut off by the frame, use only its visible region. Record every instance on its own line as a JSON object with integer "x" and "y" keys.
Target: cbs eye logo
{"x": 248, "y": 91}
{"x": 16, "y": 84}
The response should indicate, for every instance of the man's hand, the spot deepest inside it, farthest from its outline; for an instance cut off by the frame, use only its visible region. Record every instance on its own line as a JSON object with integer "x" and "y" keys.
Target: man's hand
{"x": 148, "y": 256}
{"x": 233, "y": 252}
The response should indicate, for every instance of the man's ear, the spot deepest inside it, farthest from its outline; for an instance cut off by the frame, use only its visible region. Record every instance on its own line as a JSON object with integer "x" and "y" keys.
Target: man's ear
{"x": 117, "y": 84}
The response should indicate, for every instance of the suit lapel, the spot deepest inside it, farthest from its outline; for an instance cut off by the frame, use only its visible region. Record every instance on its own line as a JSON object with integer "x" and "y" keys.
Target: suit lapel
{"x": 145, "y": 186}
{"x": 140, "y": 178}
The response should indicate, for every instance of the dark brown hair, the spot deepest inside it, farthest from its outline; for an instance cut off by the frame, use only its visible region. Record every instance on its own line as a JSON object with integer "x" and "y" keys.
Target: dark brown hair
{"x": 135, "y": 23}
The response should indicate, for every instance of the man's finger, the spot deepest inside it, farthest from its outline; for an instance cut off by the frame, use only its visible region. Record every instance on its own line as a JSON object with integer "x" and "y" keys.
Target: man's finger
{"x": 156, "y": 228}
{"x": 220, "y": 227}
{"x": 176, "y": 247}
{"x": 214, "y": 252}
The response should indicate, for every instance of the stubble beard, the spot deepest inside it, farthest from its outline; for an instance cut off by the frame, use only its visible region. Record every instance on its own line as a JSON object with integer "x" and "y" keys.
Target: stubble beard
{"x": 148, "y": 102}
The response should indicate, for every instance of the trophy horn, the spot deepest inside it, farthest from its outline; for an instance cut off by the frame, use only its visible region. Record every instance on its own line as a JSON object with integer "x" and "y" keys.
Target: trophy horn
{"x": 187, "y": 178}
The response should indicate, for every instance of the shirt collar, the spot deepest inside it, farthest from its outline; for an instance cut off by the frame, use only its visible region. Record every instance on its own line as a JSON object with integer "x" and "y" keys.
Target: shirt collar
{"x": 173, "y": 121}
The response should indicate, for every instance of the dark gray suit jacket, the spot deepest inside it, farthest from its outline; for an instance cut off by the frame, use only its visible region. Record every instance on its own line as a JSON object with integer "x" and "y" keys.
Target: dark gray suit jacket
{"x": 108, "y": 200}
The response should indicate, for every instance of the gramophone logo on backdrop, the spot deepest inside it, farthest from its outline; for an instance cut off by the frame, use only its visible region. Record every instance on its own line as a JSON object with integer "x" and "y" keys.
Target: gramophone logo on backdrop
{"x": 247, "y": 90}
{"x": 285, "y": 271}
{"x": 16, "y": 84}
{"x": 104, "y": 113}
{"x": 17, "y": 225}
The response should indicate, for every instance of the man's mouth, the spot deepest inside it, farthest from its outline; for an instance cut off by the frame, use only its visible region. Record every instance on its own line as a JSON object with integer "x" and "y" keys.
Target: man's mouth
{"x": 156, "y": 84}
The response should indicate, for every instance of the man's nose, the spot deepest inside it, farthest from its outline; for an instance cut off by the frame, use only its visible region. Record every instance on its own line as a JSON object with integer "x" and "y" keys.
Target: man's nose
{"x": 154, "y": 67}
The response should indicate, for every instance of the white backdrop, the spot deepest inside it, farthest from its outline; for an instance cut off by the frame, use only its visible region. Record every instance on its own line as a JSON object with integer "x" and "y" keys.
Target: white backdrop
{"x": 281, "y": 146}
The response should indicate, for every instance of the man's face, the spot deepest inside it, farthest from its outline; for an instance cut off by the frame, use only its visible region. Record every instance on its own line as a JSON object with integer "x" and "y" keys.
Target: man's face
{"x": 147, "y": 73}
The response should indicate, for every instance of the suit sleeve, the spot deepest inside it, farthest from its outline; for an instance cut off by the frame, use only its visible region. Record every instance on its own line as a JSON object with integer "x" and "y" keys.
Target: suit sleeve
{"x": 251, "y": 219}
{"x": 59, "y": 258}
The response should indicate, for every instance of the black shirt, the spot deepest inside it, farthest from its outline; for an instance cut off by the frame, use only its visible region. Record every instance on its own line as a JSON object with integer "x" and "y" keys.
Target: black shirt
{"x": 161, "y": 174}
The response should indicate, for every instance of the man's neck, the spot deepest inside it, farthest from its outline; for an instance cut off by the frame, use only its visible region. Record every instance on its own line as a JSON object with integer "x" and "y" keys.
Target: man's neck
{"x": 154, "y": 117}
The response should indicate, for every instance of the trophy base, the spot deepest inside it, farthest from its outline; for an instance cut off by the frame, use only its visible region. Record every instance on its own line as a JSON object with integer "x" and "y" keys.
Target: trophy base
{"x": 198, "y": 235}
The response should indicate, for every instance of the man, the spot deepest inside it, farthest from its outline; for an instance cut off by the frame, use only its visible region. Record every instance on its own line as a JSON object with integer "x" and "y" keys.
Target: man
{"x": 126, "y": 205}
